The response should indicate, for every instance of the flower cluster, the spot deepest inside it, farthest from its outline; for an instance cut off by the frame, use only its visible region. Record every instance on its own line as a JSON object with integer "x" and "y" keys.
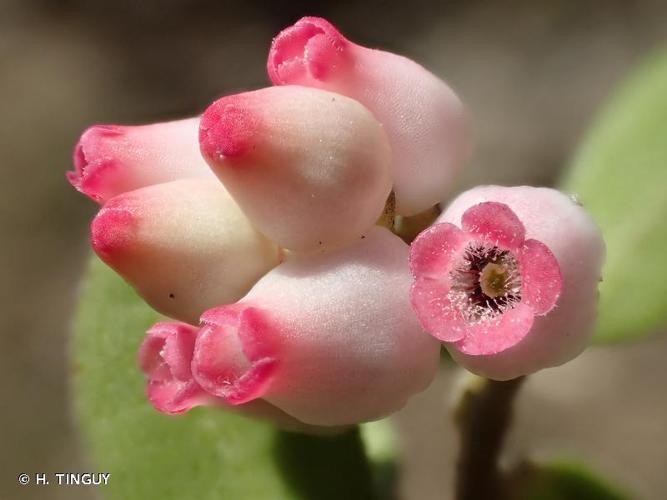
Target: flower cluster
{"x": 254, "y": 228}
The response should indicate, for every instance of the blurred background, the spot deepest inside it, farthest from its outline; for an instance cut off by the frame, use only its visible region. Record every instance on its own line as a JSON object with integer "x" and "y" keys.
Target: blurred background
{"x": 533, "y": 73}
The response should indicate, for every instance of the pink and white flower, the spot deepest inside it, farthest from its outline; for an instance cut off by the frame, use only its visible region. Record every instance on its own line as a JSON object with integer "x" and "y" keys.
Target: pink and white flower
{"x": 328, "y": 338}
{"x": 185, "y": 246}
{"x": 113, "y": 159}
{"x": 507, "y": 278}
{"x": 309, "y": 168}
{"x": 424, "y": 119}
{"x": 165, "y": 358}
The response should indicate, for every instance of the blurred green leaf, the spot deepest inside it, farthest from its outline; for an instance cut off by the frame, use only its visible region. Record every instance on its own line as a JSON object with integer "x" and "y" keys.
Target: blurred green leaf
{"x": 561, "y": 481}
{"x": 325, "y": 468}
{"x": 620, "y": 176}
{"x": 381, "y": 442}
{"x": 206, "y": 454}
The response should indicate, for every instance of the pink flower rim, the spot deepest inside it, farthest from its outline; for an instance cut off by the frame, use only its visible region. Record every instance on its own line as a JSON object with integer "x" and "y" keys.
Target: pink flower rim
{"x": 479, "y": 287}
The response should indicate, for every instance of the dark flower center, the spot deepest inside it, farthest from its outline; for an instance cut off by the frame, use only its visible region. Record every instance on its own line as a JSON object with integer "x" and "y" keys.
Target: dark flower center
{"x": 485, "y": 283}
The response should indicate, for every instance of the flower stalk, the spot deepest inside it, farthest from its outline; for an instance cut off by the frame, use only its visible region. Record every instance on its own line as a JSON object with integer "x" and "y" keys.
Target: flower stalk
{"x": 483, "y": 416}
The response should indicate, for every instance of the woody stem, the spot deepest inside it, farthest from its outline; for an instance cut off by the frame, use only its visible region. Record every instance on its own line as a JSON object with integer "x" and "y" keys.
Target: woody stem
{"x": 483, "y": 417}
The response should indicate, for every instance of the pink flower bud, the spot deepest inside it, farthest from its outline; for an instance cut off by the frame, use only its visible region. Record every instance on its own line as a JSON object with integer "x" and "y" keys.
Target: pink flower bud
{"x": 328, "y": 338}
{"x": 424, "y": 119}
{"x": 184, "y": 245}
{"x": 165, "y": 357}
{"x": 111, "y": 159}
{"x": 309, "y": 168}
{"x": 507, "y": 278}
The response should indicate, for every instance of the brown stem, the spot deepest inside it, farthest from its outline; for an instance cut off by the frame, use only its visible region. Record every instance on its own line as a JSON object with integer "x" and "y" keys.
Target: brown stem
{"x": 388, "y": 216}
{"x": 409, "y": 227}
{"x": 483, "y": 417}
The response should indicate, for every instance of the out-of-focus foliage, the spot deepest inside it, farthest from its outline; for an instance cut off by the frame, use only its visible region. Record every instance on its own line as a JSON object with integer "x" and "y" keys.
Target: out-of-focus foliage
{"x": 620, "y": 176}
{"x": 206, "y": 454}
{"x": 382, "y": 448}
{"x": 561, "y": 481}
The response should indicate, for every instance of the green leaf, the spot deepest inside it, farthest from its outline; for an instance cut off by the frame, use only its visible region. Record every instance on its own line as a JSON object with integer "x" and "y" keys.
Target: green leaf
{"x": 381, "y": 441}
{"x": 313, "y": 466}
{"x": 561, "y": 481}
{"x": 206, "y": 454}
{"x": 620, "y": 176}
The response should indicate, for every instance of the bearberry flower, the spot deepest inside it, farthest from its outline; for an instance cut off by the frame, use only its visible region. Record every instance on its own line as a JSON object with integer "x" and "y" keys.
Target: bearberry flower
{"x": 165, "y": 358}
{"x": 113, "y": 159}
{"x": 507, "y": 279}
{"x": 423, "y": 117}
{"x": 328, "y": 338}
{"x": 184, "y": 245}
{"x": 308, "y": 167}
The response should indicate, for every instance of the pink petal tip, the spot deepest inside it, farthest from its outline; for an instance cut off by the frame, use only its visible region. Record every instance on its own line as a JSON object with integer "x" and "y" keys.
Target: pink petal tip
{"x": 92, "y": 156}
{"x": 233, "y": 355}
{"x": 164, "y": 357}
{"x": 227, "y": 128}
{"x": 112, "y": 230}
{"x": 309, "y": 50}
{"x": 432, "y": 252}
{"x": 496, "y": 336}
{"x": 496, "y": 222}
{"x": 541, "y": 275}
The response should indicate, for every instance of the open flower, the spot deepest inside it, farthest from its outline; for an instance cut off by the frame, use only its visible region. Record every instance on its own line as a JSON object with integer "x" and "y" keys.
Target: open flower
{"x": 482, "y": 285}
{"x": 424, "y": 119}
{"x": 507, "y": 278}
